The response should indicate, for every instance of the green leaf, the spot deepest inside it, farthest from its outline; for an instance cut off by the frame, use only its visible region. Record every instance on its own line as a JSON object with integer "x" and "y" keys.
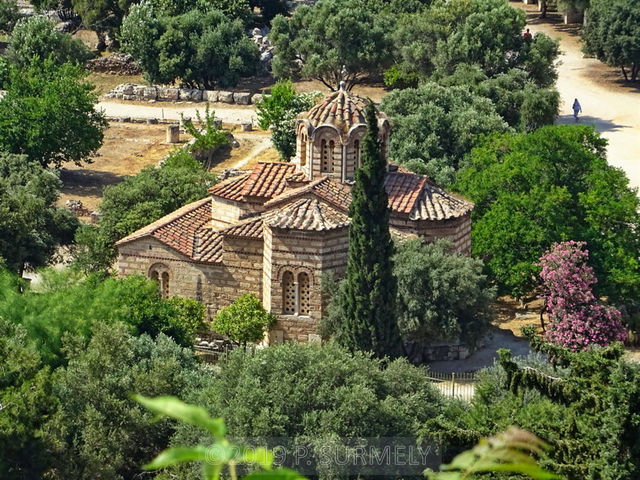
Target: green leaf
{"x": 211, "y": 471}
{"x": 172, "y": 456}
{"x": 260, "y": 456}
{"x": 174, "y": 408}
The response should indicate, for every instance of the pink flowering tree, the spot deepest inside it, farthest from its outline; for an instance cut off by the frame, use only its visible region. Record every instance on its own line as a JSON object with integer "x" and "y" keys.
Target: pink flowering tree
{"x": 577, "y": 319}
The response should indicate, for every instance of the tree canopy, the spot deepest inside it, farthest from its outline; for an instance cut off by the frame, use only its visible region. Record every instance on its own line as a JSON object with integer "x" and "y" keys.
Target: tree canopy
{"x": 48, "y": 114}
{"x": 442, "y": 295}
{"x": 31, "y": 226}
{"x": 332, "y": 41}
{"x": 612, "y": 34}
{"x": 245, "y": 320}
{"x": 551, "y": 185}
{"x": 435, "y": 126}
{"x": 37, "y": 37}
{"x": 202, "y": 46}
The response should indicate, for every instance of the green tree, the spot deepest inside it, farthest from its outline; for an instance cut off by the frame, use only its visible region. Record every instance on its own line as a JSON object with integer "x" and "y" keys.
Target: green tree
{"x": 369, "y": 294}
{"x": 49, "y": 114}
{"x": 269, "y": 8}
{"x": 99, "y": 431}
{"x": 278, "y": 113}
{"x": 612, "y": 34}
{"x": 31, "y": 226}
{"x": 104, "y": 17}
{"x": 9, "y": 15}
{"x": 201, "y": 47}
{"x": 442, "y": 295}
{"x": 138, "y": 201}
{"x": 552, "y": 185}
{"x": 435, "y": 126}
{"x": 26, "y": 403}
{"x": 313, "y": 394}
{"x": 335, "y": 35}
{"x": 245, "y": 320}
{"x": 208, "y": 137}
{"x": 37, "y": 37}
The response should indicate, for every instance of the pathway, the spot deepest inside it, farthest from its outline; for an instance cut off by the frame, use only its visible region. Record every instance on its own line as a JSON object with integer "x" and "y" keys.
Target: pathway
{"x": 612, "y": 107}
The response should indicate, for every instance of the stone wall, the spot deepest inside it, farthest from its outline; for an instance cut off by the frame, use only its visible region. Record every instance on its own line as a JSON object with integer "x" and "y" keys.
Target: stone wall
{"x": 154, "y": 93}
{"x": 458, "y": 230}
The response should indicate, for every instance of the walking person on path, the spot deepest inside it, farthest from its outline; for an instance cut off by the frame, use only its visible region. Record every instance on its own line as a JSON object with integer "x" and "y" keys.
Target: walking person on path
{"x": 576, "y": 109}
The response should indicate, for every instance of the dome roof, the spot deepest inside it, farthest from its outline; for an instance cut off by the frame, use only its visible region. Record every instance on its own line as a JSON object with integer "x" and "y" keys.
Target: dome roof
{"x": 341, "y": 109}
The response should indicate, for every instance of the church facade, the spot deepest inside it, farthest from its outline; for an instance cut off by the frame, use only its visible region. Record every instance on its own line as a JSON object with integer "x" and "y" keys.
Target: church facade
{"x": 275, "y": 231}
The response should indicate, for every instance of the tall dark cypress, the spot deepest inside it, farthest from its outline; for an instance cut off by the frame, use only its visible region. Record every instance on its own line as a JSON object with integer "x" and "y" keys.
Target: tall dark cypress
{"x": 368, "y": 299}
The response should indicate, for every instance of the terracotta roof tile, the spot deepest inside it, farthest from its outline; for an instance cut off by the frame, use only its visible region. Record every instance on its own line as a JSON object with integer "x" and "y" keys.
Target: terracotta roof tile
{"x": 251, "y": 229}
{"x": 268, "y": 180}
{"x": 308, "y": 214}
{"x": 231, "y": 188}
{"x": 341, "y": 109}
{"x": 208, "y": 246}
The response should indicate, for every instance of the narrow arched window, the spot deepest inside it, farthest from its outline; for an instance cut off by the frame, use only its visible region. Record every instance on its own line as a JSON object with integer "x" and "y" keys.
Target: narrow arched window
{"x": 332, "y": 147}
{"x": 303, "y": 150}
{"x": 155, "y": 276}
{"x": 356, "y": 153}
{"x": 304, "y": 294}
{"x": 165, "y": 285}
{"x": 324, "y": 152}
{"x": 288, "y": 294}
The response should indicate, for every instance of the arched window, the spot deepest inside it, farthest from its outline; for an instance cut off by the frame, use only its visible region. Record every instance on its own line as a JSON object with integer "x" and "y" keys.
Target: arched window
{"x": 155, "y": 276}
{"x": 326, "y": 150}
{"x": 303, "y": 150}
{"x": 303, "y": 294}
{"x": 288, "y": 294}
{"x": 356, "y": 153}
{"x": 165, "y": 285}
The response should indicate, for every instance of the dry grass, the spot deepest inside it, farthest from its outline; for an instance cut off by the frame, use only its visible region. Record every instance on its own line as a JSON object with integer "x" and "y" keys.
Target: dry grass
{"x": 105, "y": 82}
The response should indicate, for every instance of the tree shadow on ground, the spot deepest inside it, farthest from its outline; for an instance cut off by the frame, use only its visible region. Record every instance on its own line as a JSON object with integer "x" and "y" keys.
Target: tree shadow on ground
{"x": 85, "y": 182}
{"x": 599, "y": 124}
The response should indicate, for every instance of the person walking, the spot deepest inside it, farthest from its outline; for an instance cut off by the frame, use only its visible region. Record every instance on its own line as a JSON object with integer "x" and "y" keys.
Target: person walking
{"x": 576, "y": 109}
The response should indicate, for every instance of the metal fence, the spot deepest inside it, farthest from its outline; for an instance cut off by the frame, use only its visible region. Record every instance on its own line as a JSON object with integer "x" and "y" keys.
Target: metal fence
{"x": 456, "y": 385}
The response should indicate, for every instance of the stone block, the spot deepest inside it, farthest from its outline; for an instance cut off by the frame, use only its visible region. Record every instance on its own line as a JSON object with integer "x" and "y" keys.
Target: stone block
{"x": 169, "y": 94}
{"x": 210, "y": 95}
{"x": 150, "y": 93}
{"x": 256, "y": 98}
{"x": 127, "y": 89}
{"x": 173, "y": 133}
{"x": 242, "y": 98}
{"x": 225, "y": 97}
{"x": 138, "y": 91}
{"x": 190, "y": 95}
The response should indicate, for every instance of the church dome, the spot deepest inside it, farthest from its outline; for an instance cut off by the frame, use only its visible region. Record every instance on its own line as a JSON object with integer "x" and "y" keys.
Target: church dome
{"x": 342, "y": 110}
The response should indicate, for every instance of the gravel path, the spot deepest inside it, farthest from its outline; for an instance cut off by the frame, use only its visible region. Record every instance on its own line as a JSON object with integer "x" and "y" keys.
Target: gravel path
{"x": 613, "y": 108}
{"x": 172, "y": 111}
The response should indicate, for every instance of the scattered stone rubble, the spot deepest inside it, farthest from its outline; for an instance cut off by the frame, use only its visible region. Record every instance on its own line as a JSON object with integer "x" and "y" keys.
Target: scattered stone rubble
{"x": 145, "y": 93}
{"x": 116, "y": 64}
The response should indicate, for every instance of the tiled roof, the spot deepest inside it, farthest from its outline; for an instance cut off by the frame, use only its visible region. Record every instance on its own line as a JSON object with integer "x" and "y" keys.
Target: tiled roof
{"x": 308, "y": 214}
{"x": 251, "y": 228}
{"x": 339, "y": 195}
{"x": 340, "y": 109}
{"x": 208, "y": 246}
{"x": 416, "y": 196}
{"x": 177, "y": 229}
{"x": 231, "y": 188}
{"x": 268, "y": 179}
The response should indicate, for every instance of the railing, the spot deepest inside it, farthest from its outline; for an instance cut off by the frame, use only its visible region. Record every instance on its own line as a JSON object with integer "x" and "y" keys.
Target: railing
{"x": 456, "y": 385}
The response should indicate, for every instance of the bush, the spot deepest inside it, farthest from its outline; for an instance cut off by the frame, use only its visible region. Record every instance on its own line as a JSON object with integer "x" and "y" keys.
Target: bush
{"x": 245, "y": 320}
{"x": 313, "y": 393}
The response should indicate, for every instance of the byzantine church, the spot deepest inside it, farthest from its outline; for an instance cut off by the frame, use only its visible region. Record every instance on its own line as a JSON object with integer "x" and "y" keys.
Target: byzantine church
{"x": 275, "y": 231}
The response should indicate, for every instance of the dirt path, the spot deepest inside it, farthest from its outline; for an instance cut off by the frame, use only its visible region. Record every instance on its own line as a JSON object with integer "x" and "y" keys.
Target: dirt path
{"x": 235, "y": 115}
{"x": 607, "y": 103}
{"x": 258, "y": 149}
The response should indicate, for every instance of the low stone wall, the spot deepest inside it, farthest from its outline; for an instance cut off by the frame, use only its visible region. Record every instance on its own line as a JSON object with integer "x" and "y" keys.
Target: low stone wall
{"x": 145, "y": 93}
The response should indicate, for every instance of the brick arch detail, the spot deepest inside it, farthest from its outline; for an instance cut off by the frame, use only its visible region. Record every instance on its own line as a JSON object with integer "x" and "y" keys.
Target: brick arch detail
{"x": 295, "y": 270}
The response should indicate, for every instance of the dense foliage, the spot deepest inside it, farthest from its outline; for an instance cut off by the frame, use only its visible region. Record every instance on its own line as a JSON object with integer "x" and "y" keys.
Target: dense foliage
{"x": 278, "y": 112}
{"x": 37, "y": 37}
{"x": 104, "y": 17}
{"x": 332, "y": 41}
{"x": 587, "y": 407}
{"x": 79, "y": 421}
{"x": 552, "y": 185}
{"x": 314, "y": 394}
{"x": 202, "y": 46}
{"x": 245, "y": 320}
{"x": 612, "y": 34}
{"x": 442, "y": 295}
{"x": 208, "y": 136}
{"x": 31, "y": 226}
{"x": 138, "y": 201}
{"x": 577, "y": 320}
{"x": 9, "y": 15}
{"x": 435, "y": 126}
{"x": 48, "y": 114}
{"x": 367, "y": 299}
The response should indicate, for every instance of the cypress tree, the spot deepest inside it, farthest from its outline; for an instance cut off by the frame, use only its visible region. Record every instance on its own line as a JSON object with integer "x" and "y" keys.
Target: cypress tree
{"x": 368, "y": 298}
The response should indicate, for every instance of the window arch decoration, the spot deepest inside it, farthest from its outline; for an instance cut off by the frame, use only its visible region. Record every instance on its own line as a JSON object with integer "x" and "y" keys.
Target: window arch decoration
{"x": 160, "y": 274}
{"x": 296, "y": 290}
{"x": 303, "y": 150}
